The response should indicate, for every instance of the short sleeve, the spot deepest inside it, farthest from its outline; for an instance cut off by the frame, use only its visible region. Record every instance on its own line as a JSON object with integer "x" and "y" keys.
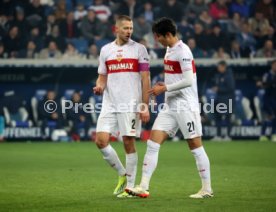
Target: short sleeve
{"x": 143, "y": 58}
{"x": 186, "y": 60}
{"x": 102, "y": 60}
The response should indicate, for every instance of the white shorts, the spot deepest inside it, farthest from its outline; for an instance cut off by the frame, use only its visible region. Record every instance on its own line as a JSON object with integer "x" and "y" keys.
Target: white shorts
{"x": 128, "y": 124}
{"x": 189, "y": 123}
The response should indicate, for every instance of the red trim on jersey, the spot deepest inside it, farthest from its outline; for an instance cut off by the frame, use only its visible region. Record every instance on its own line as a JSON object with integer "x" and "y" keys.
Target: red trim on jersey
{"x": 172, "y": 67}
{"x": 194, "y": 68}
{"x": 124, "y": 65}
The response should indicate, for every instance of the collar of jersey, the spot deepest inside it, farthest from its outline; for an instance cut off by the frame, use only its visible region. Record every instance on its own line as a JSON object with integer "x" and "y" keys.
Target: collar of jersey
{"x": 114, "y": 42}
{"x": 178, "y": 42}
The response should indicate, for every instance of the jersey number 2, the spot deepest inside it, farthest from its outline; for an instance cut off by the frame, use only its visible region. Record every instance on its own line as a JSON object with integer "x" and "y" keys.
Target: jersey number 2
{"x": 133, "y": 124}
{"x": 191, "y": 126}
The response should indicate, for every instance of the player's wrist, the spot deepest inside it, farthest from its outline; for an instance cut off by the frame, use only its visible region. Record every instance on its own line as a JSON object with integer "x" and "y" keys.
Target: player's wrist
{"x": 144, "y": 107}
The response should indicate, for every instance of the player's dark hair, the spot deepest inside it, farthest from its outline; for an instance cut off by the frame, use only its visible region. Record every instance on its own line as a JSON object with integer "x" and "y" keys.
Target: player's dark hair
{"x": 163, "y": 26}
{"x": 123, "y": 18}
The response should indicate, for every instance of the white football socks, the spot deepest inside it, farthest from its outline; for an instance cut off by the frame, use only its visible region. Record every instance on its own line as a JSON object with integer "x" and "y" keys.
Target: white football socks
{"x": 111, "y": 157}
{"x": 150, "y": 163}
{"x": 131, "y": 169}
{"x": 203, "y": 166}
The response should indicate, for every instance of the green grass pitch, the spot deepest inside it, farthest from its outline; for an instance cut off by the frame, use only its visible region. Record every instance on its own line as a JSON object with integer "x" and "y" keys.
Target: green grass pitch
{"x": 74, "y": 177}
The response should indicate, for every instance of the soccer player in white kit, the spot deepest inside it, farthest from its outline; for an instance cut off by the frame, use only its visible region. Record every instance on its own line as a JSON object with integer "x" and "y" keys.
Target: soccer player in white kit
{"x": 124, "y": 81}
{"x": 181, "y": 111}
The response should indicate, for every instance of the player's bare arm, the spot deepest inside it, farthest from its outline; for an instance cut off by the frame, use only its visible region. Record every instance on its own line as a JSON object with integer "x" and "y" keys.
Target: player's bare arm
{"x": 100, "y": 84}
{"x": 145, "y": 77}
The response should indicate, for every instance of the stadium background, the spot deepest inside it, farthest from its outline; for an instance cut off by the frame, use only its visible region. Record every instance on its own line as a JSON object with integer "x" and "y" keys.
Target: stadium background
{"x": 27, "y": 78}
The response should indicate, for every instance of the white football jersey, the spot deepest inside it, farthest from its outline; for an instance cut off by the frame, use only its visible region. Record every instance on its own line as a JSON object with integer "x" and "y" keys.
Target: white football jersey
{"x": 122, "y": 65}
{"x": 179, "y": 59}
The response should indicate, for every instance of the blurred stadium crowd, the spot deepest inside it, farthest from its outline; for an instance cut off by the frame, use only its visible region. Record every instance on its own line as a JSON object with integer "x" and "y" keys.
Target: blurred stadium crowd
{"x": 47, "y": 110}
{"x": 79, "y": 28}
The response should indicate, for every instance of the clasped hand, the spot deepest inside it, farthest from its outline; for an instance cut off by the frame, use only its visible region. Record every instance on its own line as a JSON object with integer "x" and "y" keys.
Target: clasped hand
{"x": 158, "y": 88}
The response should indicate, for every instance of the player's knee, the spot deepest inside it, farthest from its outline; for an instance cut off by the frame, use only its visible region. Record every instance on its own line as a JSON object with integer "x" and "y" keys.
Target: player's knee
{"x": 194, "y": 143}
{"x": 158, "y": 136}
{"x": 129, "y": 145}
{"x": 128, "y": 140}
{"x": 130, "y": 149}
{"x": 101, "y": 143}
